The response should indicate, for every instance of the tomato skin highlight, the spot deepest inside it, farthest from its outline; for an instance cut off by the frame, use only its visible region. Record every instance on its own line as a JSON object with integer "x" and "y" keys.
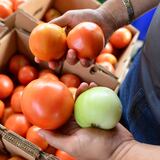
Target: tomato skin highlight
{"x": 47, "y": 103}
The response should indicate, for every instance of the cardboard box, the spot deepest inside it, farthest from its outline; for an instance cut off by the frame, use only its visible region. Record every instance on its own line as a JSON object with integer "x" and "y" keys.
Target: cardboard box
{"x": 9, "y": 21}
{"x": 37, "y": 8}
{"x": 95, "y": 72}
{"x": 11, "y": 142}
{"x": 3, "y": 30}
{"x": 98, "y": 74}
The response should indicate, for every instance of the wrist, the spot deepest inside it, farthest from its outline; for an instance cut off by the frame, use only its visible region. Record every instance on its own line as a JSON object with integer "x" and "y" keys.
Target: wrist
{"x": 117, "y": 11}
{"x": 123, "y": 150}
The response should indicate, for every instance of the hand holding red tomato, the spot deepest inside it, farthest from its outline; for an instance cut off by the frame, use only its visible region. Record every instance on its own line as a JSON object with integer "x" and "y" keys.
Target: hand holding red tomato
{"x": 72, "y": 18}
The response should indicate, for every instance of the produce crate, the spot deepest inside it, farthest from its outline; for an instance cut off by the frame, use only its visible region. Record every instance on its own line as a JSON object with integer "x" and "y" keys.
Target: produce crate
{"x": 95, "y": 72}
{"x": 18, "y": 37}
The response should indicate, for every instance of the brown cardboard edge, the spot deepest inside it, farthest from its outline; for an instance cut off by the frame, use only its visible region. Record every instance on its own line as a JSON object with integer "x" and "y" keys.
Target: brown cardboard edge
{"x": 25, "y": 21}
{"x": 36, "y": 8}
{"x": 9, "y": 21}
{"x": 91, "y": 74}
{"x": 6, "y": 49}
{"x": 106, "y": 78}
{"x": 18, "y": 145}
{"x": 3, "y": 30}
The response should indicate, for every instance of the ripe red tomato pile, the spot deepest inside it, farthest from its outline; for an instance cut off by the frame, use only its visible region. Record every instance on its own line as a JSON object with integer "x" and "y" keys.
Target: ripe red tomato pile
{"x": 7, "y": 7}
{"x": 24, "y": 84}
{"x": 110, "y": 54}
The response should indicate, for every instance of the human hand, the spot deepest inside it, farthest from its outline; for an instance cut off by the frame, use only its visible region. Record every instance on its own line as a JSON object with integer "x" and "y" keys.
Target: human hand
{"x": 92, "y": 143}
{"x": 73, "y": 17}
{"x": 89, "y": 143}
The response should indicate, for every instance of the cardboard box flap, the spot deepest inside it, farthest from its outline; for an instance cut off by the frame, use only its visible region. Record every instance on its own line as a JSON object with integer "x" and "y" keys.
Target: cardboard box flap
{"x": 91, "y": 74}
{"x": 9, "y": 21}
{"x": 36, "y": 8}
{"x": 22, "y": 44}
{"x": 7, "y": 50}
{"x": 25, "y": 22}
{"x": 3, "y": 30}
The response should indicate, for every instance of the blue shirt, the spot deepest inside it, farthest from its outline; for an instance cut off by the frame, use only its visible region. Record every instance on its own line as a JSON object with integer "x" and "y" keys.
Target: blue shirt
{"x": 140, "y": 92}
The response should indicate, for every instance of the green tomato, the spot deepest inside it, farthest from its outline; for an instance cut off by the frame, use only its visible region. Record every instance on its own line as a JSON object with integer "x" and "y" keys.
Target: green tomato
{"x": 98, "y": 107}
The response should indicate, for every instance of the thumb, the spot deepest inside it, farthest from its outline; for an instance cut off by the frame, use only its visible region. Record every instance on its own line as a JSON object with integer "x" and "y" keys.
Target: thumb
{"x": 56, "y": 140}
{"x": 60, "y": 21}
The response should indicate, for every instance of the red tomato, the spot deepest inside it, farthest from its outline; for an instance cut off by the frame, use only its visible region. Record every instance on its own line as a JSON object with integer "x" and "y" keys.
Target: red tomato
{"x": 7, "y": 113}
{"x": 6, "y": 86}
{"x": 70, "y": 80}
{"x": 5, "y": 10}
{"x": 27, "y": 74}
{"x": 50, "y": 150}
{"x": 34, "y": 137}
{"x": 108, "y": 48}
{"x": 2, "y": 107}
{"x": 108, "y": 66}
{"x": 107, "y": 57}
{"x": 18, "y": 88}
{"x": 47, "y": 103}
{"x": 87, "y": 39}
{"x": 121, "y": 38}
{"x": 17, "y": 61}
{"x": 18, "y": 124}
{"x": 16, "y": 101}
{"x": 63, "y": 155}
{"x": 48, "y": 34}
{"x": 51, "y": 14}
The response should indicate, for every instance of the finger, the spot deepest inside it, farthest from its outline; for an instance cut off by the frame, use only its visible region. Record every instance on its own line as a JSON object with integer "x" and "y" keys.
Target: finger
{"x": 56, "y": 140}
{"x": 72, "y": 57}
{"x": 37, "y": 60}
{"x": 92, "y": 84}
{"x": 83, "y": 87}
{"x": 86, "y": 62}
{"x": 60, "y": 21}
{"x": 53, "y": 65}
